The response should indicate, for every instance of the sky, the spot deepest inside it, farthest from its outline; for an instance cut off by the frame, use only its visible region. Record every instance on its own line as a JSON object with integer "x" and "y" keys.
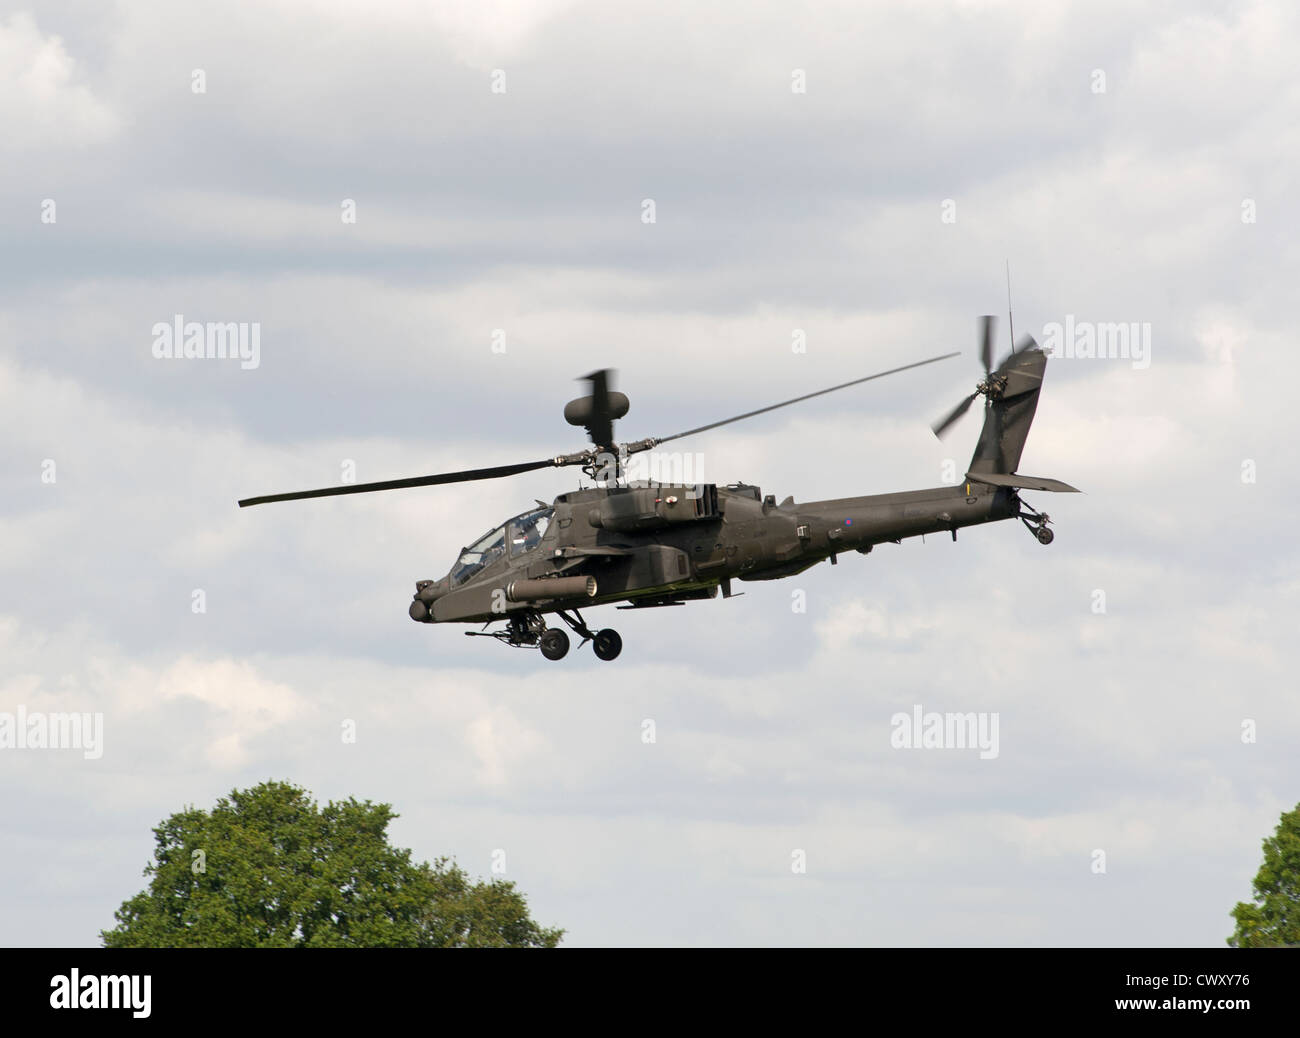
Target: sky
{"x": 438, "y": 217}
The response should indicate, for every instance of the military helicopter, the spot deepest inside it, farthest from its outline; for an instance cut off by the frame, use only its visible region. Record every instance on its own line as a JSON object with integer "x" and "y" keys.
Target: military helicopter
{"x": 653, "y": 545}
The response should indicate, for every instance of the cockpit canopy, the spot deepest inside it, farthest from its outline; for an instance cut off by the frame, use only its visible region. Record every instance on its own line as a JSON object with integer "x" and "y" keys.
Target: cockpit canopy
{"x": 518, "y": 535}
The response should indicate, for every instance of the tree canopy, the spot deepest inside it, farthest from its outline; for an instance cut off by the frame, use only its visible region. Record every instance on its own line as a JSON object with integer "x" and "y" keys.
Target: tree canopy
{"x": 268, "y": 868}
{"x": 1273, "y": 919}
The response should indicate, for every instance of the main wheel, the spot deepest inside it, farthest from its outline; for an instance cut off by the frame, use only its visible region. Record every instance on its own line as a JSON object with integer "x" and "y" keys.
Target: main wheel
{"x": 554, "y": 644}
{"x": 607, "y": 644}
{"x": 1045, "y": 536}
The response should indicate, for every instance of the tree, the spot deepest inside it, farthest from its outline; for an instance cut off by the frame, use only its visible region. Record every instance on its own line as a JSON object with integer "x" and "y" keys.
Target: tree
{"x": 267, "y": 868}
{"x": 1274, "y": 919}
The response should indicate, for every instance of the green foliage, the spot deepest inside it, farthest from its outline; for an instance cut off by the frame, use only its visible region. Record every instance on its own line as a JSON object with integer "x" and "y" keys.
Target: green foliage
{"x": 278, "y": 872}
{"x": 1274, "y": 919}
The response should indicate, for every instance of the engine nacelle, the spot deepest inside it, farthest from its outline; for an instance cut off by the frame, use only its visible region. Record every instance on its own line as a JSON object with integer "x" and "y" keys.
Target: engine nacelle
{"x": 631, "y": 509}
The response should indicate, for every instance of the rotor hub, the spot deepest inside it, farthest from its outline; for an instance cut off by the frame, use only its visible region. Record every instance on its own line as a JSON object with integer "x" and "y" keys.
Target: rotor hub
{"x": 993, "y": 386}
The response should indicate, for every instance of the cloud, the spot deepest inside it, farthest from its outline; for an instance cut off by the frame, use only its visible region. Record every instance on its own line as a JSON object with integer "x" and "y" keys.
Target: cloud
{"x": 45, "y": 103}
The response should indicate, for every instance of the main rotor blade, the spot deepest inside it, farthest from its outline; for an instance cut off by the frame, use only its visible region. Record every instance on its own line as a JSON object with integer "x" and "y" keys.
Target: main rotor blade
{"x": 987, "y": 324}
{"x": 806, "y": 396}
{"x": 940, "y": 427}
{"x": 402, "y": 484}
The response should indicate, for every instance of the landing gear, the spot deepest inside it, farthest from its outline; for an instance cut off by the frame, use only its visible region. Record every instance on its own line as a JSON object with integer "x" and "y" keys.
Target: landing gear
{"x": 1036, "y": 523}
{"x": 529, "y": 630}
{"x": 607, "y": 644}
{"x": 554, "y": 644}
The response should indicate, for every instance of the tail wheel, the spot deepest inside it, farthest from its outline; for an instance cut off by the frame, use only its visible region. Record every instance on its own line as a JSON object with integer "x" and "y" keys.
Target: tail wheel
{"x": 554, "y": 644}
{"x": 607, "y": 644}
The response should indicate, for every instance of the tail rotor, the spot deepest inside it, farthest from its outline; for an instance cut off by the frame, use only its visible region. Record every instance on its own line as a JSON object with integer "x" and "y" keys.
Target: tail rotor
{"x": 986, "y": 388}
{"x": 995, "y": 383}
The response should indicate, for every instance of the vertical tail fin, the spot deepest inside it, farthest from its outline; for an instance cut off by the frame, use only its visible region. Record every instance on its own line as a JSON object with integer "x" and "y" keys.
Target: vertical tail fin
{"x": 1009, "y": 412}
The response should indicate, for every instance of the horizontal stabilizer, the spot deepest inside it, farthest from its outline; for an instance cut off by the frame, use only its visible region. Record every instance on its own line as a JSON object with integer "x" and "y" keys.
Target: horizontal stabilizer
{"x": 1011, "y": 479}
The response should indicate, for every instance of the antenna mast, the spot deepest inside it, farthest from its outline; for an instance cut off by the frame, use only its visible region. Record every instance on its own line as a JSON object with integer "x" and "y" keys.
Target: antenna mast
{"x": 1011, "y": 324}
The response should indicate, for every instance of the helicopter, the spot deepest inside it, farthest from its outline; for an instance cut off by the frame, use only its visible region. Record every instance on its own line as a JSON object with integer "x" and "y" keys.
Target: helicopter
{"x": 649, "y": 545}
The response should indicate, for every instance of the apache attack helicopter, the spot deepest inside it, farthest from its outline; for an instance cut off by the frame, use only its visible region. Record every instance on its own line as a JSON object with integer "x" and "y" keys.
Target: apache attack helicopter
{"x": 665, "y": 545}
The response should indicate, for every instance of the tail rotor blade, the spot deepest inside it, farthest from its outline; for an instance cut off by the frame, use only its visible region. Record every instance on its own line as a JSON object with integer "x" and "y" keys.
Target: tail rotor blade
{"x": 987, "y": 324}
{"x": 940, "y": 427}
{"x": 1027, "y": 342}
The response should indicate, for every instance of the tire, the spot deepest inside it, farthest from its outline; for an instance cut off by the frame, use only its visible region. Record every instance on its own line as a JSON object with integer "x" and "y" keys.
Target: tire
{"x": 1045, "y": 536}
{"x": 607, "y": 644}
{"x": 554, "y": 644}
